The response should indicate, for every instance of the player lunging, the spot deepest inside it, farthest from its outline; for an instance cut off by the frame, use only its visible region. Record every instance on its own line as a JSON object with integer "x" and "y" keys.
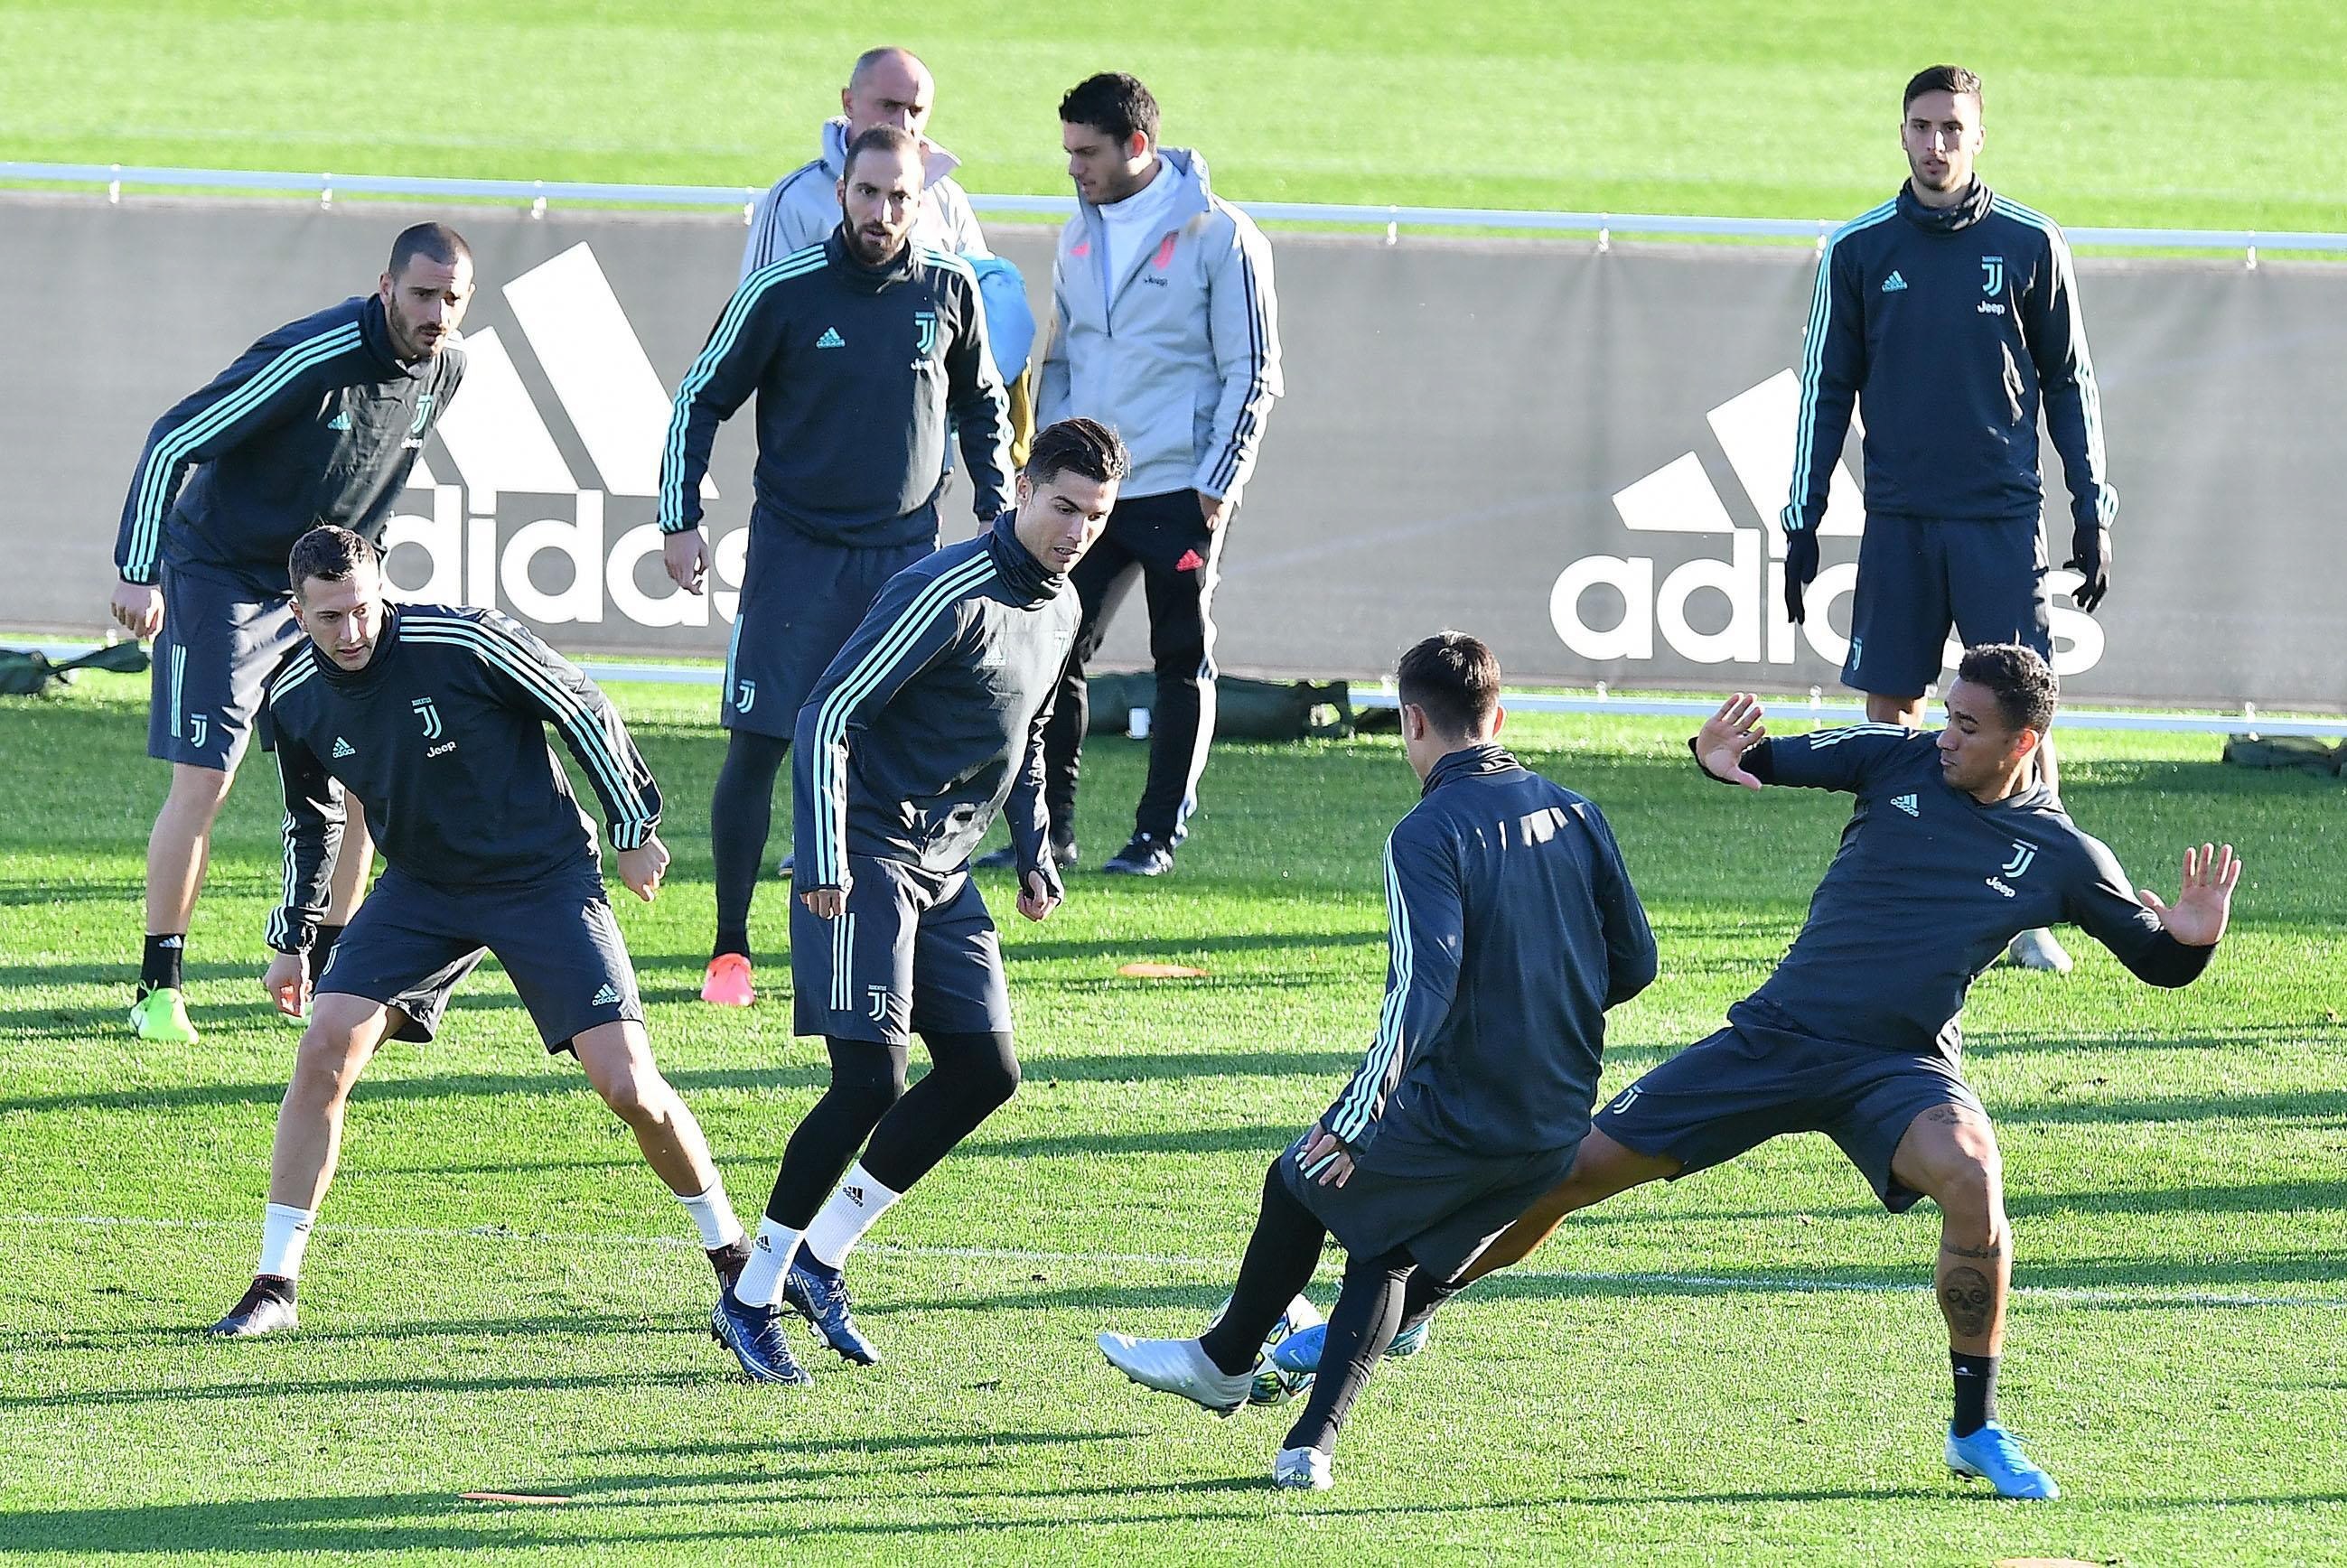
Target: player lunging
{"x": 436, "y": 719}
{"x": 1515, "y": 927}
{"x": 1953, "y": 846}
{"x": 930, "y": 719}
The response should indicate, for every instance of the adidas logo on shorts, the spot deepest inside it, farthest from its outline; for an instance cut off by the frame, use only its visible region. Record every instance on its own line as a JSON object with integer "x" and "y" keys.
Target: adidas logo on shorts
{"x": 607, "y": 996}
{"x": 1906, "y": 803}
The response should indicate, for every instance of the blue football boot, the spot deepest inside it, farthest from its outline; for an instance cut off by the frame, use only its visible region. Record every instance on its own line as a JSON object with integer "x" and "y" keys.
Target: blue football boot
{"x": 821, "y": 1300}
{"x": 1992, "y": 1455}
{"x": 754, "y": 1335}
{"x": 1300, "y": 1351}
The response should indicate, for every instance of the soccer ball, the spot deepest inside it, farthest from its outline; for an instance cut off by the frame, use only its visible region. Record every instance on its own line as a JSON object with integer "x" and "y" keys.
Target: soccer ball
{"x": 1272, "y": 1385}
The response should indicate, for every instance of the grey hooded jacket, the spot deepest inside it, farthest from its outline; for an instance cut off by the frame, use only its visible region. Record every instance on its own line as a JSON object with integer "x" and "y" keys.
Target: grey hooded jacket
{"x": 1180, "y": 355}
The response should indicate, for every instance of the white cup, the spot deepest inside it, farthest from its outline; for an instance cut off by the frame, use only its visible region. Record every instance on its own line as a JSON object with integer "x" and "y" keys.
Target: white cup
{"x": 1136, "y": 724}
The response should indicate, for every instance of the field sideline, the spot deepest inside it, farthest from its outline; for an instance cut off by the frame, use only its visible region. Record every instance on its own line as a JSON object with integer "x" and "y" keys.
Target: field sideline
{"x": 2099, "y": 112}
{"x": 1736, "y": 1366}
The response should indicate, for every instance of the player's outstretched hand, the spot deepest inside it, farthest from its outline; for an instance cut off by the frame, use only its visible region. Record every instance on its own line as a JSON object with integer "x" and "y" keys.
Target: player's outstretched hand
{"x": 1726, "y": 735}
{"x": 2090, "y": 558}
{"x": 1322, "y": 1144}
{"x": 824, "y": 903}
{"x": 2197, "y": 916}
{"x": 1800, "y": 570}
{"x": 138, "y": 607}
{"x": 687, "y": 559}
{"x": 1039, "y": 895}
{"x": 642, "y": 868}
{"x": 288, "y": 983}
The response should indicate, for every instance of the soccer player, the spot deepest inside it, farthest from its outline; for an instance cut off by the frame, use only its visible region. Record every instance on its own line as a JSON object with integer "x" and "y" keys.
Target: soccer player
{"x": 1953, "y": 846}
{"x": 887, "y": 87}
{"x": 436, "y": 718}
{"x": 1951, "y": 313}
{"x": 318, "y": 422}
{"x": 929, "y": 720}
{"x": 1515, "y": 927}
{"x": 1187, "y": 374}
{"x": 859, "y": 349}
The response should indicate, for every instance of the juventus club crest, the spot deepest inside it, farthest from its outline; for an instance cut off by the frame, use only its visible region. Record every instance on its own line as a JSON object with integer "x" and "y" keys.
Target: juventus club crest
{"x": 1992, "y": 275}
{"x": 430, "y": 715}
{"x": 924, "y": 338}
{"x": 876, "y": 1003}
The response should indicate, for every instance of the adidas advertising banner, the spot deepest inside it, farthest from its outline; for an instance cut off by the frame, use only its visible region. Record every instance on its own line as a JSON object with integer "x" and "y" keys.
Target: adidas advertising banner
{"x": 1577, "y": 456}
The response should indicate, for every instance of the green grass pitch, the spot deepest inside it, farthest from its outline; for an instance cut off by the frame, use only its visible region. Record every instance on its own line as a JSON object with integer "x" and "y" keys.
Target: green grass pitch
{"x": 2219, "y": 115}
{"x": 1739, "y": 1368}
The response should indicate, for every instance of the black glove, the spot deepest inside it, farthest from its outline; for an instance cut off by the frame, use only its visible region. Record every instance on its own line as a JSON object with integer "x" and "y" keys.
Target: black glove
{"x": 1053, "y": 887}
{"x": 2090, "y": 557}
{"x": 1800, "y": 569}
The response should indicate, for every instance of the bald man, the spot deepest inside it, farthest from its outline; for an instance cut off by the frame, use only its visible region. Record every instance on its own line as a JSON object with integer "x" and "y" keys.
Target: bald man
{"x": 887, "y": 87}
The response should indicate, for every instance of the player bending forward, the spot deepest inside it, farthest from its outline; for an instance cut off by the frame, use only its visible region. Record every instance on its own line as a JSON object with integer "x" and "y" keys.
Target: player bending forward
{"x": 928, "y": 721}
{"x": 435, "y": 719}
{"x": 1954, "y": 847}
{"x": 1515, "y": 927}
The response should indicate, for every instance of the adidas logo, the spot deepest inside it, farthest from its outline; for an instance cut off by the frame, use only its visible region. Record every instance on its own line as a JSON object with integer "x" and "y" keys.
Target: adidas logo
{"x": 605, "y": 997}
{"x": 854, "y": 1195}
{"x": 343, "y": 748}
{"x": 1617, "y": 609}
{"x": 831, "y": 339}
{"x": 1894, "y": 284}
{"x": 1906, "y": 803}
{"x": 485, "y": 505}
{"x": 340, "y": 421}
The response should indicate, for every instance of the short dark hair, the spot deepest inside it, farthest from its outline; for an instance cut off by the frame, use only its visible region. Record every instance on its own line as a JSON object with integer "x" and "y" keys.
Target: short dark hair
{"x": 2021, "y": 681}
{"x": 1113, "y": 104}
{"x": 881, "y": 139}
{"x": 1455, "y": 678}
{"x": 1940, "y": 79}
{"x": 328, "y": 554}
{"x": 1085, "y": 445}
{"x": 433, "y": 241}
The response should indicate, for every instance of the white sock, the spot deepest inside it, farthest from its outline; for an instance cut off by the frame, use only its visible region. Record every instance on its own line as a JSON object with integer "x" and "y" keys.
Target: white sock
{"x": 284, "y": 1236}
{"x": 760, "y": 1284}
{"x": 851, "y": 1211}
{"x": 712, "y": 1216}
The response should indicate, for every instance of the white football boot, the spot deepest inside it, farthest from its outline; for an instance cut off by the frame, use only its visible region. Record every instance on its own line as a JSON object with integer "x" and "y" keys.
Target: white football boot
{"x": 1178, "y": 1367}
{"x": 1302, "y": 1469}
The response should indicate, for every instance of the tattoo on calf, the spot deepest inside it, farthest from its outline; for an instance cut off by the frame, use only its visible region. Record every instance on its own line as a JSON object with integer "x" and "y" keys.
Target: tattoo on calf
{"x": 1966, "y": 1298}
{"x": 1994, "y": 1249}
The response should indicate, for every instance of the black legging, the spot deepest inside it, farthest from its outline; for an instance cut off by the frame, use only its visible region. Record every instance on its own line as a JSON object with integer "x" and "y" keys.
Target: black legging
{"x": 969, "y": 1076}
{"x": 1280, "y": 1257}
{"x": 741, "y": 814}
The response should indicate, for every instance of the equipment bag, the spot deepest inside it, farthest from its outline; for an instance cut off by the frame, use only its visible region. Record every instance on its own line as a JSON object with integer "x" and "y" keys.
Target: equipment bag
{"x": 1244, "y": 710}
{"x": 2300, "y": 754}
{"x": 29, "y": 671}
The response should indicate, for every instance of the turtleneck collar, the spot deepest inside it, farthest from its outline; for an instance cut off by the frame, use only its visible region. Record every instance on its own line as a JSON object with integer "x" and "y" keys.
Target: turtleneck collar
{"x": 1970, "y": 210}
{"x": 374, "y": 331}
{"x": 855, "y": 274}
{"x": 1468, "y": 761}
{"x": 1022, "y": 574}
{"x": 356, "y": 681}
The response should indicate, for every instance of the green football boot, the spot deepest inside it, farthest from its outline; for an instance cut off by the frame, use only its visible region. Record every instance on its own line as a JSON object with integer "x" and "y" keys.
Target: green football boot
{"x": 161, "y": 1014}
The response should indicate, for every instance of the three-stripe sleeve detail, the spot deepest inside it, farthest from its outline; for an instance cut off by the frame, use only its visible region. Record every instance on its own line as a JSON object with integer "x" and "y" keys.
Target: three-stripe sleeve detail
{"x": 169, "y": 451}
{"x": 621, "y": 777}
{"x": 721, "y": 342}
{"x": 831, "y": 719}
{"x": 1813, "y": 359}
{"x": 1353, "y": 1111}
